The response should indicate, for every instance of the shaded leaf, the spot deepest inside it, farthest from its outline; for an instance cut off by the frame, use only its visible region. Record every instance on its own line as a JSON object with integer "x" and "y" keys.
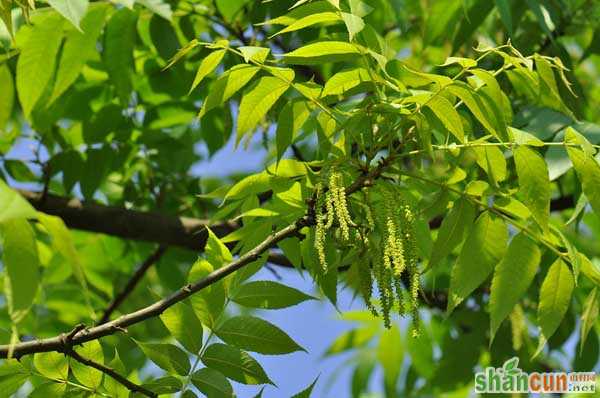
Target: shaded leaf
{"x": 235, "y": 364}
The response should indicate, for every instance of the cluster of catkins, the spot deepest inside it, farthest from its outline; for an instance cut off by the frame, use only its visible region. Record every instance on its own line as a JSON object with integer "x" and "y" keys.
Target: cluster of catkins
{"x": 389, "y": 232}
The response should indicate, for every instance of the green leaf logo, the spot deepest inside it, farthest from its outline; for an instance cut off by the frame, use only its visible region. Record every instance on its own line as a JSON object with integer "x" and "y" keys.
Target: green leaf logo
{"x": 510, "y": 367}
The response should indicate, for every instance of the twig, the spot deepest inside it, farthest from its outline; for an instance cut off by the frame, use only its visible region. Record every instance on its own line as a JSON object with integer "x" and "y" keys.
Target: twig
{"x": 110, "y": 372}
{"x": 132, "y": 283}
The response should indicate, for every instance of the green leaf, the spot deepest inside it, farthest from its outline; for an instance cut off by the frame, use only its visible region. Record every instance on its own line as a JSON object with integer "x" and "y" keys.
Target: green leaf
{"x": 235, "y": 364}
{"x": 167, "y": 356}
{"x": 482, "y": 250}
{"x": 51, "y": 389}
{"x": 307, "y": 391}
{"x": 79, "y": 47}
{"x": 445, "y": 111}
{"x": 512, "y": 277}
{"x": 20, "y": 259}
{"x": 12, "y": 376}
{"x": 291, "y": 119}
{"x": 164, "y": 385}
{"x": 208, "y": 64}
{"x": 212, "y": 383}
{"x": 345, "y": 80}
{"x": 257, "y": 101}
{"x": 555, "y": 297}
{"x": 52, "y": 365}
{"x": 230, "y": 8}
{"x": 35, "y": 66}
{"x": 492, "y": 161}
{"x": 309, "y": 20}
{"x": 73, "y": 10}
{"x": 297, "y": 12}
{"x": 14, "y": 206}
{"x": 257, "y": 335}
{"x": 452, "y": 230}
{"x": 209, "y": 303}
{"x": 390, "y": 354}
{"x": 586, "y": 166}
{"x": 504, "y": 7}
{"x": 7, "y": 99}
{"x": 268, "y": 295}
{"x": 183, "y": 324}
{"x": 589, "y": 269}
{"x": 119, "y": 41}
{"x": 351, "y": 339}
{"x": 227, "y": 85}
{"x": 322, "y": 52}
{"x": 88, "y": 376}
{"x": 114, "y": 388}
{"x": 589, "y": 316}
{"x": 361, "y": 375}
{"x": 477, "y": 106}
{"x": 534, "y": 184}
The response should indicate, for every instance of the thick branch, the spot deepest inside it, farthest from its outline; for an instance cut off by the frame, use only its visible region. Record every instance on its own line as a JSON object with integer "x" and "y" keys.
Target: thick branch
{"x": 132, "y": 283}
{"x": 110, "y": 372}
{"x": 189, "y": 233}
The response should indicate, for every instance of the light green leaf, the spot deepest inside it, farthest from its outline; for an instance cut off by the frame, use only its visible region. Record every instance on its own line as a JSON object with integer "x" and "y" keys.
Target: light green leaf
{"x": 257, "y": 101}
{"x": 208, "y": 64}
{"x": 258, "y": 54}
{"x": 452, "y": 230}
{"x": 227, "y": 85}
{"x": 555, "y": 297}
{"x": 345, "y": 80}
{"x": 297, "y": 13}
{"x": 354, "y": 24}
{"x": 53, "y": 365}
{"x": 183, "y": 324}
{"x": 534, "y": 184}
{"x": 79, "y": 47}
{"x": 482, "y": 250}
{"x": 390, "y": 354}
{"x": 291, "y": 119}
{"x": 512, "y": 277}
{"x": 210, "y": 301}
{"x": 235, "y": 364}
{"x": 167, "y": 356}
{"x": 464, "y": 62}
{"x": 352, "y": 339}
{"x": 268, "y": 295}
{"x": 309, "y": 20}
{"x": 216, "y": 252}
{"x": 257, "y": 335}
{"x": 589, "y": 269}
{"x": 35, "y": 66}
{"x": 73, "y": 10}
{"x": 212, "y": 383}
{"x": 21, "y": 262}
{"x": 159, "y": 7}
{"x": 119, "y": 41}
{"x": 13, "y": 205}
{"x": 88, "y": 376}
{"x": 586, "y": 166}
{"x": 591, "y": 308}
{"x": 321, "y": 52}
{"x": 7, "y": 99}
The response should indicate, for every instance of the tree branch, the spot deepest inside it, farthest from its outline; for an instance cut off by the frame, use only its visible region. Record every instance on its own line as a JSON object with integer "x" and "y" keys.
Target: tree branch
{"x": 132, "y": 283}
{"x": 78, "y": 336}
{"x": 110, "y": 372}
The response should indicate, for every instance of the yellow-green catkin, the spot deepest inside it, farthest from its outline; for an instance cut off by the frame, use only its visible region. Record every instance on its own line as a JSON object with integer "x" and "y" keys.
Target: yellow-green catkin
{"x": 320, "y": 228}
{"x": 340, "y": 205}
{"x": 517, "y": 326}
{"x": 366, "y": 283}
{"x": 383, "y": 278}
